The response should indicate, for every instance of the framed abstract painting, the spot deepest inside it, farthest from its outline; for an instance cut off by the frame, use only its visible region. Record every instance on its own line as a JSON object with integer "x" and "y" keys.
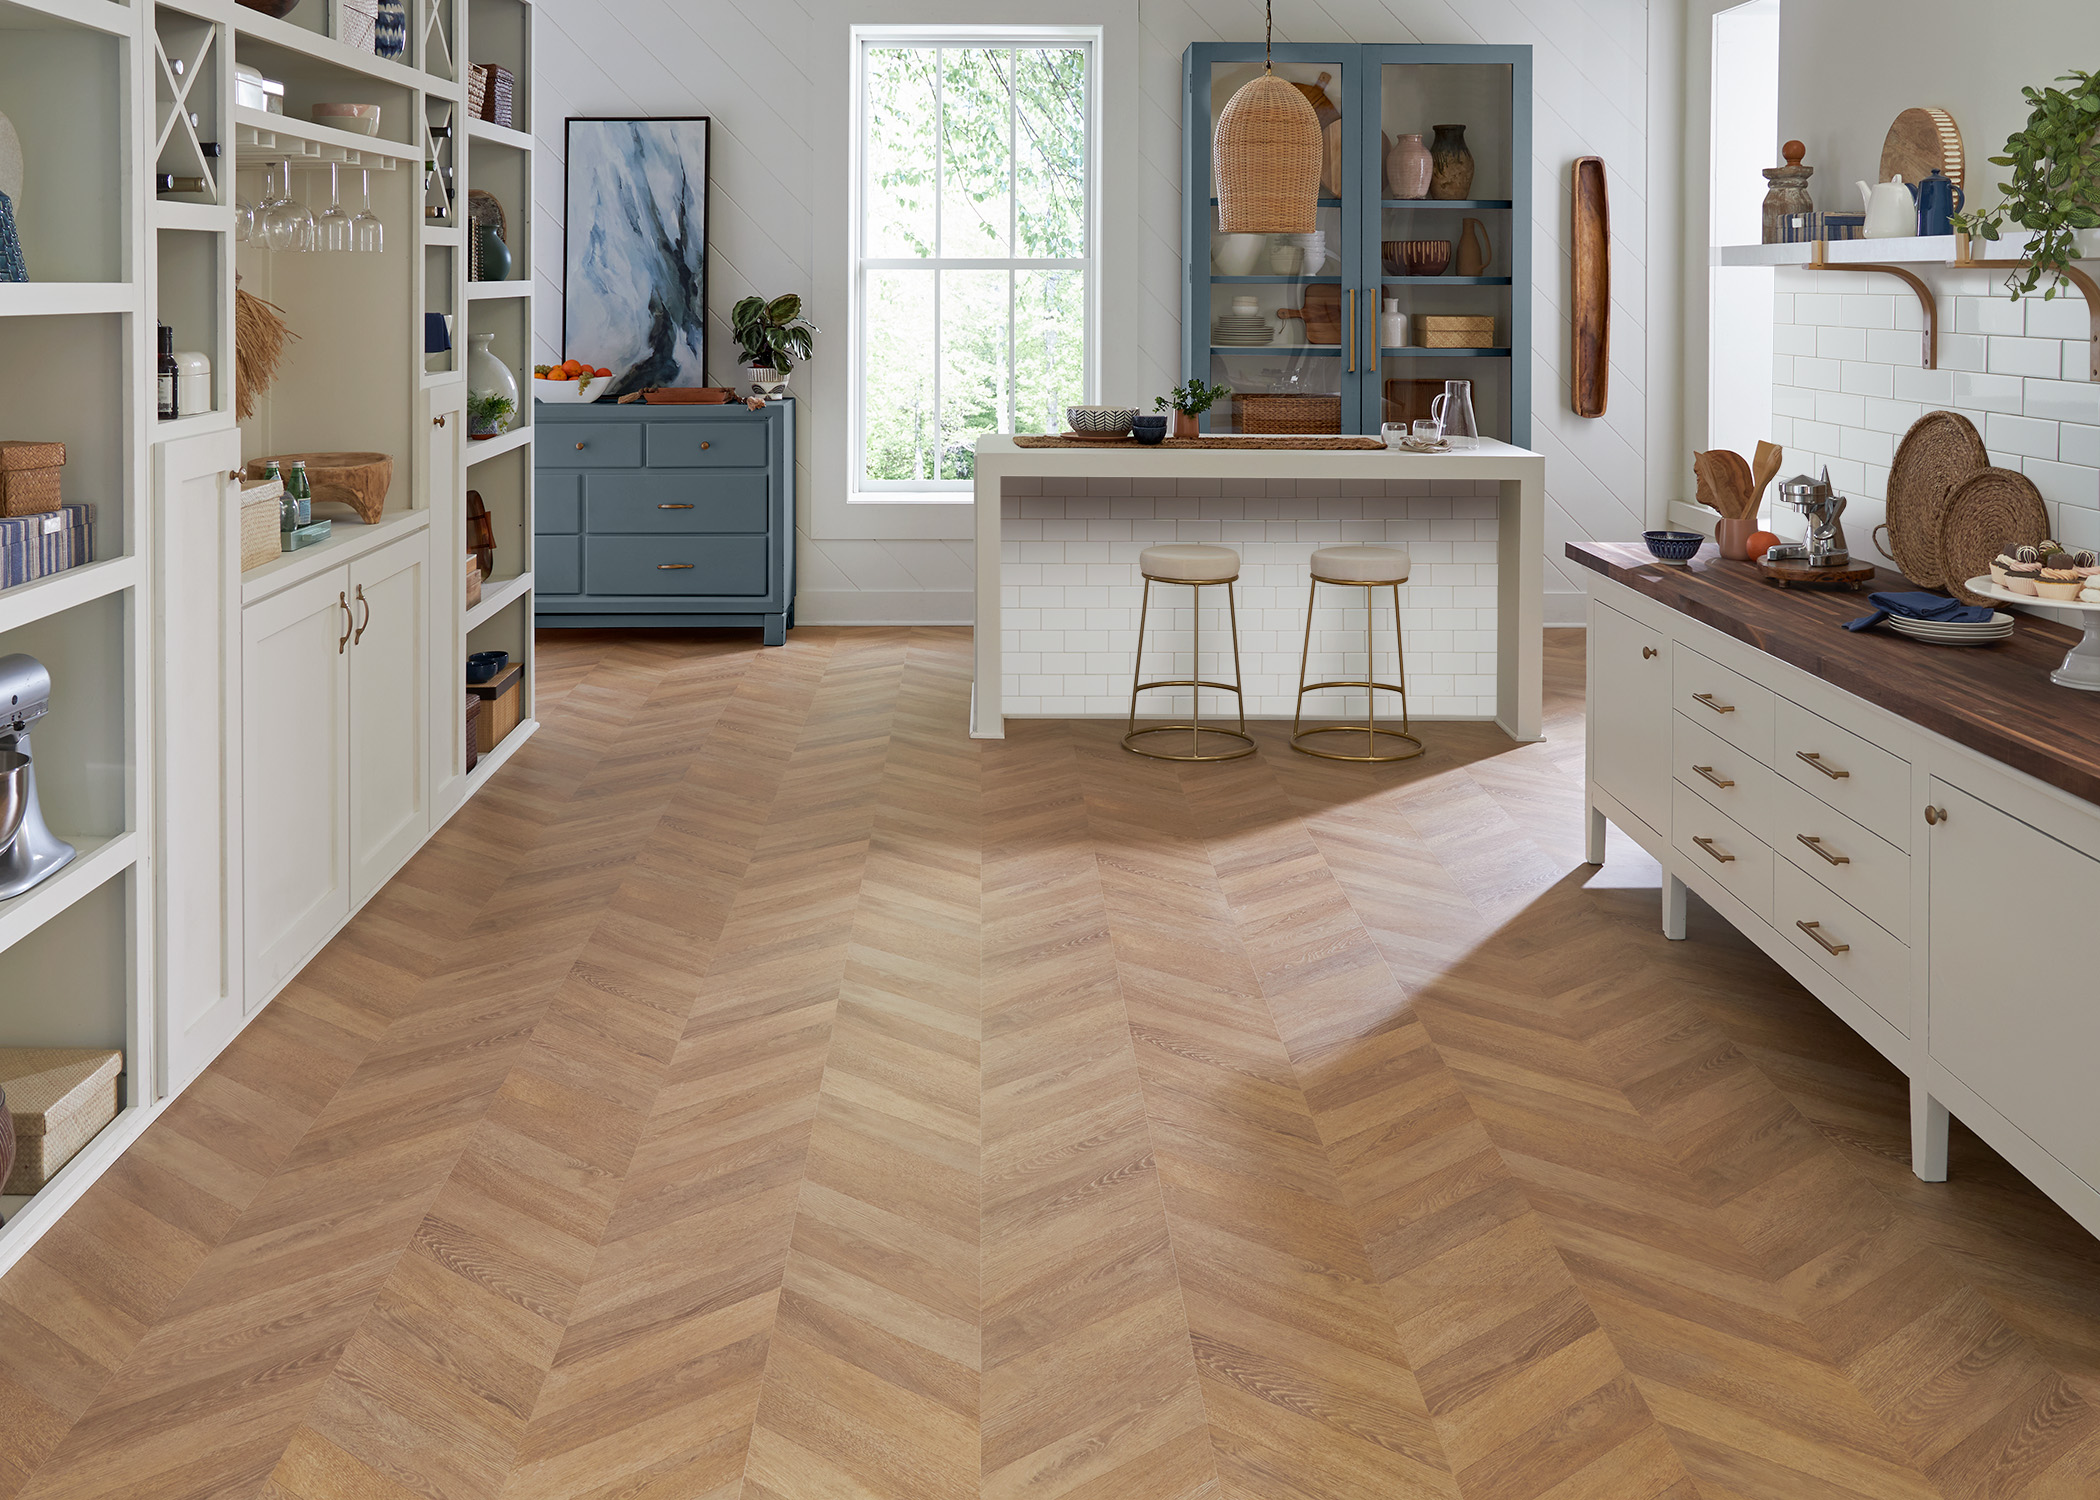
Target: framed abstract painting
{"x": 634, "y": 286}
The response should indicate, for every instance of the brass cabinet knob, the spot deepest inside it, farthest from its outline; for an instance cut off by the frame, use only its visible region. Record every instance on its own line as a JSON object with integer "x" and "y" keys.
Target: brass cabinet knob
{"x": 703, "y": 444}
{"x": 579, "y": 447}
{"x": 437, "y": 421}
{"x": 1648, "y": 651}
{"x": 1935, "y": 815}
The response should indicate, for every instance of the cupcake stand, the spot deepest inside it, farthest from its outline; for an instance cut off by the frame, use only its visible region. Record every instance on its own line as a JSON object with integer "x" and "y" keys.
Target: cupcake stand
{"x": 2081, "y": 668}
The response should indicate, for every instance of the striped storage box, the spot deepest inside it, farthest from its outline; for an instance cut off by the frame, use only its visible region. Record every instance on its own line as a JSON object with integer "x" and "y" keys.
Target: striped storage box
{"x": 33, "y": 547}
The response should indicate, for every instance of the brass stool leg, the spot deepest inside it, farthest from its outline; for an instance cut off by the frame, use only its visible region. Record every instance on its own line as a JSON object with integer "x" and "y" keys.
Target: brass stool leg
{"x": 1194, "y": 682}
{"x": 1301, "y": 738}
{"x": 1239, "y": 678}
{"x": 1312, "y": 592}
{"x": 1137, "y": 662}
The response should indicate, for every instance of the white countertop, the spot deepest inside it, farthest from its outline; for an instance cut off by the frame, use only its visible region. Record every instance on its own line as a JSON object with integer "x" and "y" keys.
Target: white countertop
{"x": 1491, "y": 460}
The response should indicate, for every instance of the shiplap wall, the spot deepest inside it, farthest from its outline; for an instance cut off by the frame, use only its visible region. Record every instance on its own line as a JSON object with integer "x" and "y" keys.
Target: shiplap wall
{"x": 746, "y": 67}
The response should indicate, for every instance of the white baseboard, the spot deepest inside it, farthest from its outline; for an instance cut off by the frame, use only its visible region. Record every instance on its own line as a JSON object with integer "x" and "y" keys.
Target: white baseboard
{"x": 885, "y": 606}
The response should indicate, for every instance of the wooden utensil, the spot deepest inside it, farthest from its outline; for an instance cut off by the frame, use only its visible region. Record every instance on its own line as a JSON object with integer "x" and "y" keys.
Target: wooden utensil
{"x": 1592, "y": 267}
{"x": 1769, "y": 458}
{"x": 1742, "y": 495}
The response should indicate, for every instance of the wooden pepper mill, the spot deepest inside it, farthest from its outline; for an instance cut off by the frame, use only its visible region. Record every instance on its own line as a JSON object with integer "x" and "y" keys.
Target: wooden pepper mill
{"x": 1788, "y": 193}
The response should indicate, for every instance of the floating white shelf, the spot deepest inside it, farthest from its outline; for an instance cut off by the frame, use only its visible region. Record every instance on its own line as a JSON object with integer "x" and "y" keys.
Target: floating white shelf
{"x": 492, "y": 762}
{"x": 101, "y": 15}
{"x": 210, "y": 218}
{"x": 326, "y": 49}
{"x": 484, "y": 291}
{"x": 484, "y": 449}
{"x": 183, "y": 427}
{"x": 265, "y": 137}
{"x": 496, "y": 597}
{"x": 441, "y": 234}
{"x": 1912, "y": 250}
{"x": 28, "y": 602}
{"x": 347, "y": 539}
{"x": 432, "y": 379}
{"x": 60, "y": 299}
{"x": 482, "y": 130}
{"x": 96, "y": 860}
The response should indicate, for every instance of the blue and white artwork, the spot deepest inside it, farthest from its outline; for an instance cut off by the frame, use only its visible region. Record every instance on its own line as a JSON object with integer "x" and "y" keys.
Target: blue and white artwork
{"x": 634, "y": 295}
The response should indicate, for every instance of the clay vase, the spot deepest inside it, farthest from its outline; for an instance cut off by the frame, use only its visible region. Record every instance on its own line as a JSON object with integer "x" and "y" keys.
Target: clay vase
{"x": 1474, "y": 250}
{"x": 1408, "y": 168}
{"x": 1185, "y": 425}
{"x": 1451, "y": 173}
{"x": 1730, "y": 535}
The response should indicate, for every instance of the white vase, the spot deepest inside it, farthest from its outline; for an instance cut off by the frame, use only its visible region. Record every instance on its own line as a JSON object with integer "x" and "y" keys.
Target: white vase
{"x": 489, "y": 376}
{"x": 1392, "y": 325}
{"x": 1237, "y": 254}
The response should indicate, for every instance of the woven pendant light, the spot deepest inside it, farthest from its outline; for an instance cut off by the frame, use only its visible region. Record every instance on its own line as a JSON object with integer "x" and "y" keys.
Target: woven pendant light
{"x": 1265, "y": 156}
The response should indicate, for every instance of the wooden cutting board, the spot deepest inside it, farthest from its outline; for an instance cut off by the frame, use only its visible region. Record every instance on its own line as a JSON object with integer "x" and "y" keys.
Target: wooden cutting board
{"x": 1920, "y": 140}
{"x": 1592, "y": 268}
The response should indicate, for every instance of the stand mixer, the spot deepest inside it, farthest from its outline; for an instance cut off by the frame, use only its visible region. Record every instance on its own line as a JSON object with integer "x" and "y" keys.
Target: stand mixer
{"x": 29, "y": 851}
{"x": 1820, "y": 507}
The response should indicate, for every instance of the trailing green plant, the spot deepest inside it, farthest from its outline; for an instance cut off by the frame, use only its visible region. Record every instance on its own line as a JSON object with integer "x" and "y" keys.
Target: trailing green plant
{"x": 773, "y": 334}
{"x": 489, "y": 411}
{"x": 2055, "y": 187}
{"x": 1193, "y": 399}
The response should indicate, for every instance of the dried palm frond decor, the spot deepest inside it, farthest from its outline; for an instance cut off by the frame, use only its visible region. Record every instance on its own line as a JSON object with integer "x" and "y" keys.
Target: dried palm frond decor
{"x": 1265, "y": 156}
{"x": 259, "y": 335}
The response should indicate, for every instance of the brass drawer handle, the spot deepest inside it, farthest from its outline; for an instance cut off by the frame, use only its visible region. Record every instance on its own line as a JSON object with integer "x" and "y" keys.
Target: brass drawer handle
{"x": 1815, "y": 758}
{"x": 687, "y": 506}
{"x": 1708, "y": 845}
{"x": 1648, "y": 651}
{"x": 349, "y": 622}
{"x": 1815, "y": 842}
{"x": 357, "y": 637}
{"x": 1934, "y": 816}
{"x": 1815, "y": 930}
{"x": 1708, "y": 773}
{"x": 671, "y": 567}
{"x": 1708, "y": 700}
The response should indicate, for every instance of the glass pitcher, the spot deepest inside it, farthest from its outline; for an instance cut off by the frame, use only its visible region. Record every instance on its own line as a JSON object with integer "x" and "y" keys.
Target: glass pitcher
{"x": 1455, "y": 410}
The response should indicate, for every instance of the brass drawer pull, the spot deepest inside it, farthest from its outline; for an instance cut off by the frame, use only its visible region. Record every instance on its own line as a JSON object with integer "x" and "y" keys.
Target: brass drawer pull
{"x": 349, "y": 622}
{"x": 1815, "y": 758}
{"x": 1815, "y": 842}
{"x": 1708, "y": 773}
{"x": 1815, "y": 930}
{"x": 579, "y": 447}
{"x": 1708, "y": 845}
{"x": 704, "y": 445}
{"x": 1648, "y": 651}
{"x": 1708, "y": 700}
{"x": 437, "y": 421}
{"x": 687, "y": 506}
{"x": 1934, "y": 816}
{"x": 671, "y": 567}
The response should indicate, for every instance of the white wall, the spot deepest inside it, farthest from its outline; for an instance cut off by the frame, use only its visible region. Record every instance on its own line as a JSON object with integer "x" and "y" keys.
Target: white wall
{"x": 750, "y": 68}
{"x": 1744, "y": 114}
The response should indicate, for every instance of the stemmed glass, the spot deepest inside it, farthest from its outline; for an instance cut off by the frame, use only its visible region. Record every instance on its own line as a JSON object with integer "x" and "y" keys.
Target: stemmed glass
{"x": 370, "y": 234}
{"x": 332, "y": 230}
{"x": 287, "y": 224}
{"x": 243, "y": 217}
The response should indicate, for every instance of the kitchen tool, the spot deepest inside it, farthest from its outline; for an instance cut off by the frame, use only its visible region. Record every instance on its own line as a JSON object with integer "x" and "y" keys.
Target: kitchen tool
{"x": 1392, "y": 434}
{"x": 1673, "y": 547}
{"x": 570, "y": 392}
{"x": 1920, "y": 141}
{"x": 1475, "y": 249}
{"x": 33, "y": 853}
{"x": 1428, "y": 433}
{"x": 1796, "y": 573}
{"x": 1591, "y": 257}
{"x": 1788, "y": 193}
{"x": 1820, "y": 507}
{"x": 483, "y": 665}
{"x": 1286, "y": 259}
{"x": 1454, "y": 410}
{"x": 358, "y": 480}
{"x": 1999, "y": 627}
{"x": 1940, "y": 450}
{"x": 1985, "y": 513}
{"x": 2081, "y": 666}
{"x": 1107, "y": 421}
{"x": 1939, "y": 199}
{"x": 1892, "y": 210}
{"x": 1331, "y": 158}
{"x": 1246, "y": 307}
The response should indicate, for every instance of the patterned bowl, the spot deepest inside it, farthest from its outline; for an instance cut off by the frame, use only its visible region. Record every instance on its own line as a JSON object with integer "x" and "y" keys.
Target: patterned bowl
{"x": 1415, "y": 257}
{"x": 1673, "y": 546}
{"x": 1106, "y": 421}
{"x": 1149, "y": 429}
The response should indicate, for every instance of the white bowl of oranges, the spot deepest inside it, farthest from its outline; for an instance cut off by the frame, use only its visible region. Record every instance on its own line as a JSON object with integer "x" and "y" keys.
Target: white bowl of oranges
{"x": 570, "y": 383}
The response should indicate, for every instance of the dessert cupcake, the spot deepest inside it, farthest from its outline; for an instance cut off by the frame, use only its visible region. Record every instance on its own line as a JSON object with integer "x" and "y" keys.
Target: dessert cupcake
{"x": 2059, "y": 583}
{"x": 1999, "y": 564}
{"x": 2022, "y": 574}
{"x": 2087, "y": 561}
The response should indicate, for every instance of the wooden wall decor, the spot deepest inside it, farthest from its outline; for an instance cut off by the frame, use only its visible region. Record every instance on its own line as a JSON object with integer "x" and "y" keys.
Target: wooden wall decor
{"x": 1592, "y": 304}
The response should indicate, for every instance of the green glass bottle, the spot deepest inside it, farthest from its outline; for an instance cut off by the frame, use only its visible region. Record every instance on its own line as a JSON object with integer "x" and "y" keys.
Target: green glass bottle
{"x": 297, "y": 489}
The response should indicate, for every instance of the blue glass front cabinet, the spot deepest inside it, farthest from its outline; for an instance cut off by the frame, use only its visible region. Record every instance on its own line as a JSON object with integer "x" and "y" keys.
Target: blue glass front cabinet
{"x": 1331, "y": 366}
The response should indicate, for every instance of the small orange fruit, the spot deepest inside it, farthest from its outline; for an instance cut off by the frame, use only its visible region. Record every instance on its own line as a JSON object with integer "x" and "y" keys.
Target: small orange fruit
{"x": 600, "y": 372}
{"x": 1756, "y": 544}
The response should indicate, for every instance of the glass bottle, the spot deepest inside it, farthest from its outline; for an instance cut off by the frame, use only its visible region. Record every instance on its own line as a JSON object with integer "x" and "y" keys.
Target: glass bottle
{"x": 298, "y": 491}
{"x": 170, "y": 409}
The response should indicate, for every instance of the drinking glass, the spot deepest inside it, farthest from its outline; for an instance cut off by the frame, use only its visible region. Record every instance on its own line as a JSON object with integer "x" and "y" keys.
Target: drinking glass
{"x": 332, "y": 230}
{"x": 368, "y": 233}
{"x": 1428, "y": 430}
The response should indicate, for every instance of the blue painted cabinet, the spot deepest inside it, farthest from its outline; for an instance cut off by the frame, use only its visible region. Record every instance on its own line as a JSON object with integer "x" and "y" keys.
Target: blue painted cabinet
{"x": 1309, "y": 352}
{"x": 665, "y": 515}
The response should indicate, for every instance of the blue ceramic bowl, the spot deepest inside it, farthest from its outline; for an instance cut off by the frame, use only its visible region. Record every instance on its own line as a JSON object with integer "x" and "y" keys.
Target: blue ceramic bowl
{"x": 1673, "y": 546}
{"x": 483, "y": 665}
{"x": 1149, "y": 429}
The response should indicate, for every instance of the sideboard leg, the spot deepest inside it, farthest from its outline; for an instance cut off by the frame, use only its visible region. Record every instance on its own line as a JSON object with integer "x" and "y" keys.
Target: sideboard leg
{"x": 776, "y": 630}
{"x": 1673, "y": 908}
{"x": 1928, "y": 1134}
{"x": 1595, "y": 853}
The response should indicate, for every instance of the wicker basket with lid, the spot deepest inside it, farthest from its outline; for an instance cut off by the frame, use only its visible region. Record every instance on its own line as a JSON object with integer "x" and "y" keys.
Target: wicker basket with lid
{"x": 59, "y": 1098}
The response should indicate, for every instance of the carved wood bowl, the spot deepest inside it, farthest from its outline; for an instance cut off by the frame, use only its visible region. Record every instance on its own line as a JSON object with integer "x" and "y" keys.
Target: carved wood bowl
{"x": 1416, "y": 257}
{"x": 358, "y": 480}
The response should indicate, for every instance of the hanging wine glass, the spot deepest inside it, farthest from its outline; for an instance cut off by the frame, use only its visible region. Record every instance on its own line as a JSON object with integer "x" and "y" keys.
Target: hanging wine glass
{"x": 275, "y": 224}
{"x": 370, "y": 234}
{"x": 332, "y": 230}
{"x": 243, "y": 217}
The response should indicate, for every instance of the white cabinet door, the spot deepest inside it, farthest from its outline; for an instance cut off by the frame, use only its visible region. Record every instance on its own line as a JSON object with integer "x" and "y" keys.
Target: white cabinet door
{"x": 1630, "y": 715}
{"x": 389, "y": 711}
{"x": 295, "y": 682}
{"x": 2011, "y": 1009}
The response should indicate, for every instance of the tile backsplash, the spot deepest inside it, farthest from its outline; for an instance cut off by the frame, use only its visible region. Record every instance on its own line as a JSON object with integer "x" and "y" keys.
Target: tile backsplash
{"x": 1847, "y": 383}
{"x": 1070, "y": 593}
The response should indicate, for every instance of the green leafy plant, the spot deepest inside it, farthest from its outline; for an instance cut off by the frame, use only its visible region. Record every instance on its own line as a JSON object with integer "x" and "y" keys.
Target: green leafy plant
{"x": 773, "y": 334}
{"x": 1193, "y": 399}
{"x": 2055, "y": 187}
{"x": 489, "y": 411}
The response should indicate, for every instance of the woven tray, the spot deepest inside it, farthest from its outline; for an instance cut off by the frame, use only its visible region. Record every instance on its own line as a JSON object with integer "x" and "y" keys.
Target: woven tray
{"x": 1936, "y": 455}
{"x": 1329, "y": 444}
{"x": 1989, "y": 511}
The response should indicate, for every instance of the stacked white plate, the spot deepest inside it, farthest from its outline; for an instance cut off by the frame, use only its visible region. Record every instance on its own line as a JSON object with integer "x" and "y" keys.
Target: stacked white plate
{"x": 1998, "y": 627}
{"x": 1235, "y": 330}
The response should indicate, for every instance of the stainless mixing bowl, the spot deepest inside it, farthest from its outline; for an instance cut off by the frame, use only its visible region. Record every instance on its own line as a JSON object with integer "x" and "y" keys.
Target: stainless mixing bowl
{"x": 14, "y": 794}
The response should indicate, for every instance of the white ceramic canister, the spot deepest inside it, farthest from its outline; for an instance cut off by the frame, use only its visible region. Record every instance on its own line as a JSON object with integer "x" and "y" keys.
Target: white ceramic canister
{"x": 1392, "y": 325}
{"x": 192, "y": 383}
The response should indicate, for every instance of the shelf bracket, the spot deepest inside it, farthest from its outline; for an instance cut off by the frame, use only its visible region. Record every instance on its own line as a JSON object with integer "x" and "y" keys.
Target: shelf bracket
{"x": 1931, "y": 352}
{"x": 2087, "y": 289}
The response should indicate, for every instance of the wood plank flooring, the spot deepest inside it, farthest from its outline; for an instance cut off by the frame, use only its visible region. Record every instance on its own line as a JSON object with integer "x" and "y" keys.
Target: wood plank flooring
{"x": 763, "y": 1090}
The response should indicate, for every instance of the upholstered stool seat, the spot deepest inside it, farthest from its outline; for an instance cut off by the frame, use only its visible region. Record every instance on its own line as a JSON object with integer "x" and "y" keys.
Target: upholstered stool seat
{"x": 1365, "y": 567}
{"x": 1199, "y": 566}
{"x": 1360, "y": 564}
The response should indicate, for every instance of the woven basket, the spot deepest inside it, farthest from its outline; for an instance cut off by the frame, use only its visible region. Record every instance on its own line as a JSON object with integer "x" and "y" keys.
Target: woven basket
{"x": 490, "y": 91}
{"x": 1443, "y": 332}
{"x": 1936, "y": 455}
{"x": 1991, "y": 510}
{"x": 1265, "y": 160}
{"x": 259, "y": 530}
{"x": 473, "y": 731}
{"x": 1289, "y": 414}
{"x": 29, "y": 475}
{"x": 59, "y": 1098}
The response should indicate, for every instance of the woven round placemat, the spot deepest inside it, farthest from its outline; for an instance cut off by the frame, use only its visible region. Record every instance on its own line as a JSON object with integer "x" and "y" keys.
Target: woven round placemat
{"x": 1989, "y": 511}
{"x": 1939, "y": 452}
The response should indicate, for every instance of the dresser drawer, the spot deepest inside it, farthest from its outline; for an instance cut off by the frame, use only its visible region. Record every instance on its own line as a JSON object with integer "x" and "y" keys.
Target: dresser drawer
{"x": 1872, "y": 964}
{"x": 647, "y": 502}
{"x": 1862, "y": 780}
{"x": 707, "y": 445}
{"x": 1731, "y": 779}
{"x": 1866, "y": 869}
{"x": 1728, "y": 703}
{"x": 714, "y": 565}
{"x": 557, "y": 564}
{"x": 557, "y": 504}
{"x": 589, "y": 445}
{"x": 1716, "y": 845}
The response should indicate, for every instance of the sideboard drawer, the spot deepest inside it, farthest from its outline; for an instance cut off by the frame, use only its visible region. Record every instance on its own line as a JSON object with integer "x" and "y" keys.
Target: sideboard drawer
{"x": 1864, "y": 868}
{"x": 716, "y": 565}
{"x": 1873, "y": 964}
{"x": 557, "y": 504}
{"x": 1728, "y": 703}
{"x": 649, "y": 502}
{"x": 710, "y": 445}
{"x": 1719, "y": 846}
{"x": 1733, "y": 780}
{"x": 1855, "y": 777}
{"x": 589, "y": 445}
{"x": 557, "y": 564}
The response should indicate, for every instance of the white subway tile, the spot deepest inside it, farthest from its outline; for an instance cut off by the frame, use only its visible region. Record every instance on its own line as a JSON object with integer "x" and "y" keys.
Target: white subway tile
{"x": 1841, "y": 410}
{"x": 1893, "y": 346}
{"x": 2079, "y": 528}
{"x": 1794, "y": 401}
{"x": 1782, "y": 307}
{"x": 1820, "y": 436}
{"x": 1931, "y": 387}
{"x": 2078, "y": 360}
{"x": 1782, "y": 430}
{"x": 1794, "y": 338}
{"x": 2079, "y": 445}
{"x": 2063, "y": 401}
{"x": 2021, "y": 435}
{"x": 1782, "y": 369}
{"x": 1864, "y": 310}
{"x": 2064, "y": 484}
{"x": 1999, "y": 315}
{"x": 1963, "y": 351}
{"x": 1816, "y": 374}
{"x": 1846, "y": 474}
{"x": 1819, "y": 308}
{"x": 1841, "y": 343}
{"x": 2041, "y": 357}
{"x": 1993, "y": 393}
{"x": 1868, "y": 447}
{"x": 1892, "y": 416}
{"x": 2064, "y": 316}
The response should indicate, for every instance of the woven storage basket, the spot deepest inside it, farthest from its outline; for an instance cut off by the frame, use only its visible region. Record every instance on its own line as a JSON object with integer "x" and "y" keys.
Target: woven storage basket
{"x": 29, "y": 475}
{"x": 473, "y": 731}
{"x": 1289, "y": 414}
{"x": 1989, "y": 511}
{"x": 259, "y": 530}
{"x": 490, "y": 90}
{"x": 1936, "y": 455}
{"x": 360, "y": 23}
{"x": 59, "y": 1097}
{"x": 1265, "y": 160}
{"x": 1443, "y": 332}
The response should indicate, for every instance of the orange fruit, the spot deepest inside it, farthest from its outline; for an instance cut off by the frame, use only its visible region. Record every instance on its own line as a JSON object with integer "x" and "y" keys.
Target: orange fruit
{"x": 1757, "y": 542}
{"x": 601, "y": 372}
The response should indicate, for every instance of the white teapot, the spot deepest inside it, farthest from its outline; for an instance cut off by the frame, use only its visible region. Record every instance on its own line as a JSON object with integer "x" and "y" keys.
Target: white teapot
{"x": 1891, "y": 209}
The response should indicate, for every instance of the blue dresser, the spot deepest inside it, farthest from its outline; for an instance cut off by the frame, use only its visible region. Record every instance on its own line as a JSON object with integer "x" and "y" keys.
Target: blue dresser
{"x": 665, "y": 515}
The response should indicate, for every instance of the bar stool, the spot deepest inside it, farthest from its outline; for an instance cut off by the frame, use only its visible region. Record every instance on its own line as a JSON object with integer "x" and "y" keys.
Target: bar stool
{"x": 1366, "y": 568}
{"x": 1200, "y": 567}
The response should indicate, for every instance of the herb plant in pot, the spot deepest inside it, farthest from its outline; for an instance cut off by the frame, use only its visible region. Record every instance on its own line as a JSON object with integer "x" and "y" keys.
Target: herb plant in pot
{"x": 1188, "y": 402}
{"x": 2055, "y": 188}
{"x": 774, "y": 337}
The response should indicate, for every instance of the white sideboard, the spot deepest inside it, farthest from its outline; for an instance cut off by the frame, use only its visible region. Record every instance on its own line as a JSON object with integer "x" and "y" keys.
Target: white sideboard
{"x": 1933, "y": 896}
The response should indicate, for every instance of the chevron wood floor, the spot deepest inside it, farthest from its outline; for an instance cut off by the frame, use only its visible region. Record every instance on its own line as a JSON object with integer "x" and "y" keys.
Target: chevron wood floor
{"x": 765, "y": 1091}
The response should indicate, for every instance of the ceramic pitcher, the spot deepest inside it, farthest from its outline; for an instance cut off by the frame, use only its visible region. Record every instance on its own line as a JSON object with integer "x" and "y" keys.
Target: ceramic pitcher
{"x": 1891, "y": 213}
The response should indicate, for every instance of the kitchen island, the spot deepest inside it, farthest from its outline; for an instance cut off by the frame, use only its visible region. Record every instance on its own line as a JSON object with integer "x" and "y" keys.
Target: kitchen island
{"x": 1059, "y": 529}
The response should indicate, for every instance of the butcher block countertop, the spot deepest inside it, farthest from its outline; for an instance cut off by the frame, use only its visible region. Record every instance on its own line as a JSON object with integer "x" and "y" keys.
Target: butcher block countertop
{"x": 1997, "y": 700}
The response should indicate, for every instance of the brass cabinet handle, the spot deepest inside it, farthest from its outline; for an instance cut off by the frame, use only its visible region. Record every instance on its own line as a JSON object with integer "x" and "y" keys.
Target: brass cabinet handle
{"x": 1815, "y": 930}
{"x": 1648, "y": 651}
{"x": 579, "y": 447}
{"x": 1708, "y": 700}
{"x": 1815, "y": 842}
{"x": 704, "y": 444}
{"x": 367, "y": 623}
{"x": 1815, "y": 758}
{"x": 1708, "y": 773}
{"x": 1935, "y": 816}
{"x": 671, "y": 567}
{"x": 343, "y": 600}
{"x": 437, "y": 421}
{"x": 687, "y": 506}
{"x": 1708, "y": 845}
{"x": 1352, "y": 329}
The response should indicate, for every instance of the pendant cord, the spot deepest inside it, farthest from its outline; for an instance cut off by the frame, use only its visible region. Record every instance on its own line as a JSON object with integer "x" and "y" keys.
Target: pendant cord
{"x": 1268, "y": 37}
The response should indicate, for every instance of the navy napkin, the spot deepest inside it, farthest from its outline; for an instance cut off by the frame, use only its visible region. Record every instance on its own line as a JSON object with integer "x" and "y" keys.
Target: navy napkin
{"x": 1921, "y": 606}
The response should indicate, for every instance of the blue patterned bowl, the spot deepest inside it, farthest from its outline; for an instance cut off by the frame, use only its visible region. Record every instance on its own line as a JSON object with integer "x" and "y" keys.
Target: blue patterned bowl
{"x": 1149, "y": 429}
{"x": 1673, "y": 546}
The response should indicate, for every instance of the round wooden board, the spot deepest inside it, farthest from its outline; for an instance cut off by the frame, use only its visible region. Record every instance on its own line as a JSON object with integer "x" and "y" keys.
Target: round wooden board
{"x": 1920, "y": 140}
{"x": 1797, "y": 575}
{"x": 1990, "y": 510}
{"x": 1940, "y": 451}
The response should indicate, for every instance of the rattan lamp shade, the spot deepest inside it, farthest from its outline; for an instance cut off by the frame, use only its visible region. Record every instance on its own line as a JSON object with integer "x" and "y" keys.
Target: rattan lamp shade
{"x": 1265, "y": 159}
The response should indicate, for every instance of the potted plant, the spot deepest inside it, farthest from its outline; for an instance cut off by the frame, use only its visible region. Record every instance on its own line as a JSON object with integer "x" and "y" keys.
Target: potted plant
{"x": 489, "y": 413}
{"x": 2055, "y": 187}
{"x": 774, "y": 336}
{"x": 1188, "y": 402}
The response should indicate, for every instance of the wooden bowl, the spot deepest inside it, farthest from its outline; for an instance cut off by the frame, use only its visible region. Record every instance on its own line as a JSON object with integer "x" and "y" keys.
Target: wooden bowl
{"x": 1425, "y": 257}
{"x": 358, "y": 480}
